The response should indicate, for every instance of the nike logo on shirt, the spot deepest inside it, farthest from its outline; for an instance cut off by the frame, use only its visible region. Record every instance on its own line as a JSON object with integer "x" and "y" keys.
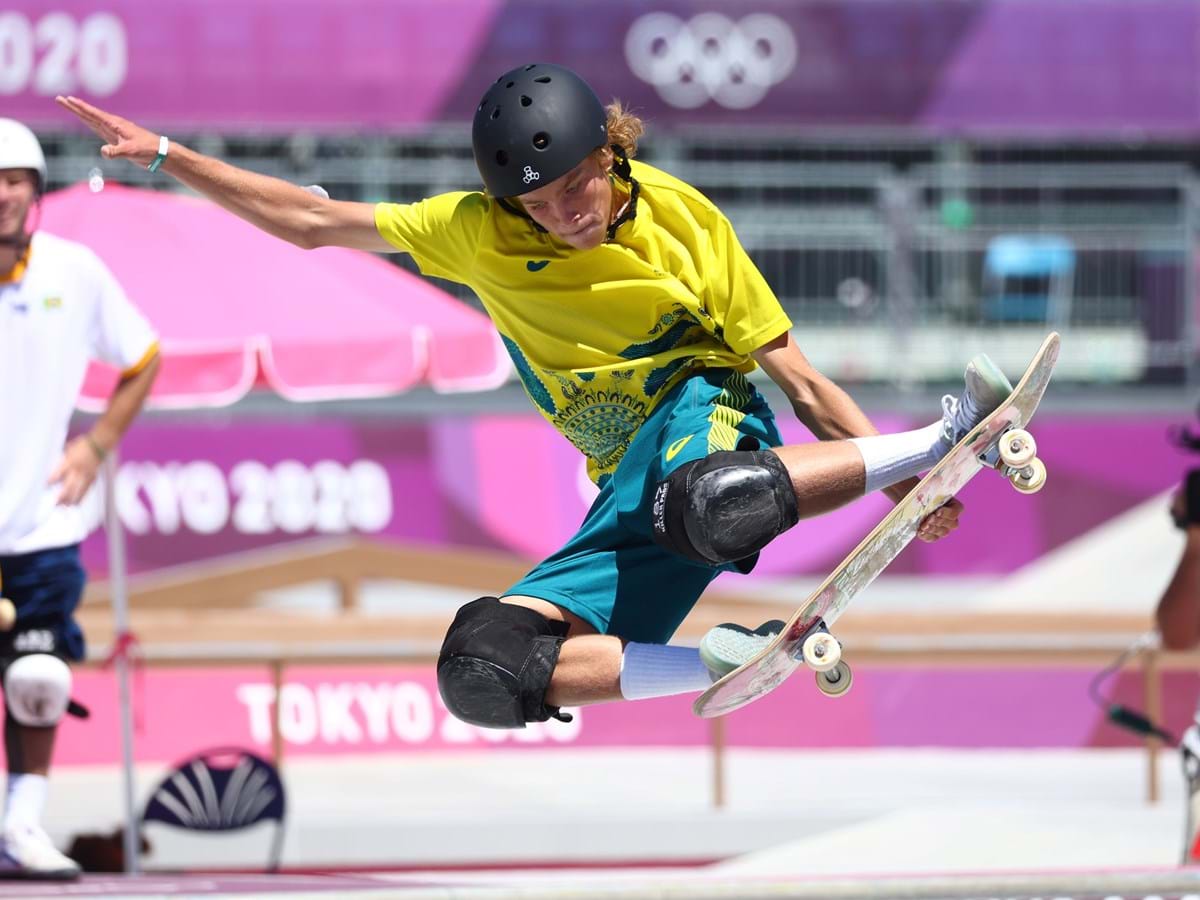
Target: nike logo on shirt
{"x": 675, "y": 447}
{"x": 536, "y": 265}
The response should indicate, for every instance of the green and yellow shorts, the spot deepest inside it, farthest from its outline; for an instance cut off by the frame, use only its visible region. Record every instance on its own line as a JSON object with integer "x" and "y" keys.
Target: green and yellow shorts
{"x": 611, "y": 573}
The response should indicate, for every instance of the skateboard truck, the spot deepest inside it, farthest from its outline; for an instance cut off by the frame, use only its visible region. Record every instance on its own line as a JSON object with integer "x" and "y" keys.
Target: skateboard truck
{"x": 1015, "y": 456}
{"x": 822, "y": 653}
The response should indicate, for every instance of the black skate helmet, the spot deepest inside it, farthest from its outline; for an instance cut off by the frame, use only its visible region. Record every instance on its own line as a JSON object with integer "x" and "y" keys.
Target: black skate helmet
{"x": 535, "y": 124}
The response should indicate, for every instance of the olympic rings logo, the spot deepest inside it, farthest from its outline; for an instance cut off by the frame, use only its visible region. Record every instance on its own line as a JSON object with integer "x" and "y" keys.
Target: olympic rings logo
{"x": 711, "y": 57}
{"x": 531, "y": 175}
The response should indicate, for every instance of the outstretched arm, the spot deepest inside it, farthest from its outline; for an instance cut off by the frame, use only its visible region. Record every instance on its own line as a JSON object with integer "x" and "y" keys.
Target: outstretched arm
{"x": 276, "y": 206}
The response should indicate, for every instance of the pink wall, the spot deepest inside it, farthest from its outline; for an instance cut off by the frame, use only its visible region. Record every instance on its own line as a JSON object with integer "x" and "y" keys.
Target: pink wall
{"x": 201, "y": 487}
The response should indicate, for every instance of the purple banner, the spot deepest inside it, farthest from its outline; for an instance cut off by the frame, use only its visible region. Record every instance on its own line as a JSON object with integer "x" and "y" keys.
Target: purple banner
{"x": 240, "y": 63}
{"x": 1099, "y": 66}
{"x": 201, "y": 488}
{"x": 1062, "y": 66}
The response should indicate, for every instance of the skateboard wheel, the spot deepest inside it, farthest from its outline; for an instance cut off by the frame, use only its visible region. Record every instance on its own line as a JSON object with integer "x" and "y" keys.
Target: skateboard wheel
{"x": 836, "y": 681}
{"x": 1017, "y": 448}
{"x": 1031, "y": 478}
{"x": 821, "y": 651}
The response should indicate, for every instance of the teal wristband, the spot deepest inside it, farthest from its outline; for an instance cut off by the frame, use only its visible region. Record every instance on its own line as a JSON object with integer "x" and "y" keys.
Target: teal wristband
{"x": 163, "y": 144}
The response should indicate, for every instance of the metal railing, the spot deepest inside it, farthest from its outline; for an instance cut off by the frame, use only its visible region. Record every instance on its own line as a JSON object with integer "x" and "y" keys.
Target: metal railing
{"x": 883, "y": 254}
{"x": 1086, "y": 651}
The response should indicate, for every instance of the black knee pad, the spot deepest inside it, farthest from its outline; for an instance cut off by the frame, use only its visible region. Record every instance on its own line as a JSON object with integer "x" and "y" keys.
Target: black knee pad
{"x": 725, "y": 507}
{"x": 496, "y": 663}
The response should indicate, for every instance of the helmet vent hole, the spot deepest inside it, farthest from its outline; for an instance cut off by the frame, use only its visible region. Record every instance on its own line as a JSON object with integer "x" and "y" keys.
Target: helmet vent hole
{"x": 541, "y": 140}
{"x": 525, "y": 101}
{"x": 530, "y": 67}
{"x": 496, "y": 113}
{"x": 542, "y": 79}
{"x": 502, "y": 157}
{"x": 510, "y": 84}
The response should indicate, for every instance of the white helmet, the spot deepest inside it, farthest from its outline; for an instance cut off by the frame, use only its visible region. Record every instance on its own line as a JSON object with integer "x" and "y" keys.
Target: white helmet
{"x": 19, "y": 149}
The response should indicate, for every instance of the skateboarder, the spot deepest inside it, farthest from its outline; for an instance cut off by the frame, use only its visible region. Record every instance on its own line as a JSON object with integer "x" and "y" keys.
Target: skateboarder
{"x": 632, "y": 315}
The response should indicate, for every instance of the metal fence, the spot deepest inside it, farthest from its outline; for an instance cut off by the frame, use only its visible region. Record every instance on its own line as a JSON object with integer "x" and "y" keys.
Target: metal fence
{"x": 894, "y": 257}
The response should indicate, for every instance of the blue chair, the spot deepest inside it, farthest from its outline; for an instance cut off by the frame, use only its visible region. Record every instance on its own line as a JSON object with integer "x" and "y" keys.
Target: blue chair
{"x": 224, "y": 789}
{"x": 1041, "y": 258}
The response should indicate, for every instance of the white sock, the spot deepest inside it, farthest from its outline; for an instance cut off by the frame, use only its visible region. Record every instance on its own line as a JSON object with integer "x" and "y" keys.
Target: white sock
{"x": 660, "y": 670}
{"x": 890, "y": 458}
{"x": 26, "y": 799}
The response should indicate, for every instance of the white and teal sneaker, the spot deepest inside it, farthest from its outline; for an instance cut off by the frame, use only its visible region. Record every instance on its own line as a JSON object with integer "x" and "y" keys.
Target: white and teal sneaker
{"x": 986, "y": 387}
{"x": 728, "y": 646}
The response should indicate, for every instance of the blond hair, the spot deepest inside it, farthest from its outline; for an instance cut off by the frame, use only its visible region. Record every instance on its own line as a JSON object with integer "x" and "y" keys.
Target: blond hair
{"x": 624, "y": 128}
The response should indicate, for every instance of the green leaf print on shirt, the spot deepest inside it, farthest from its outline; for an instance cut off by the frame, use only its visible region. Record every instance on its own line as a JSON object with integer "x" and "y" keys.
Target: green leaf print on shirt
{"x": 533, "y": 385}
{"x": 676, "y": 328}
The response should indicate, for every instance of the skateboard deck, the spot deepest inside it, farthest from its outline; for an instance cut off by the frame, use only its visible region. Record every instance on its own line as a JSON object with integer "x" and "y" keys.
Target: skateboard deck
{"x": 805, "y": 638}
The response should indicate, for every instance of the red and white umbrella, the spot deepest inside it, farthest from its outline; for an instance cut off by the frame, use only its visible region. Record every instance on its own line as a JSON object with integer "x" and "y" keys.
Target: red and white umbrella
{"x": 236, "y": 307}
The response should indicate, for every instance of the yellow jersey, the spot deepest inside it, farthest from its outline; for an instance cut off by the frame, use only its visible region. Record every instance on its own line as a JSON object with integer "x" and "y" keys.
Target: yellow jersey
{"x": 599, "y": 336}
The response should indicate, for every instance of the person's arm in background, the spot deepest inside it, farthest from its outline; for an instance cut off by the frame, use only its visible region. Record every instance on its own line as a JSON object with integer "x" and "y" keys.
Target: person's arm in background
{"x": 278, "y": 207}
{"x": 82, "y": 457}
{"x": 1178, "y": 612}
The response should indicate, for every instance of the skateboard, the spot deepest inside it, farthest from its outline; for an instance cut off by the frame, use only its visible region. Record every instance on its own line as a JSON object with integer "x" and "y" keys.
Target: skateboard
{"x": 1000, "y": 442}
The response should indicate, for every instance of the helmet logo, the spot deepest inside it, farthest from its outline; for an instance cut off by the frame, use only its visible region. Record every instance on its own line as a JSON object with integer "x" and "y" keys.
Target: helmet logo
{"x": 531, "y": 175}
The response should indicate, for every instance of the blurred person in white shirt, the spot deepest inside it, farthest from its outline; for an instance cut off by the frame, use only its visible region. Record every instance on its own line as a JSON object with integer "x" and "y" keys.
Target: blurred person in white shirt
{"x": 60, "y": 307}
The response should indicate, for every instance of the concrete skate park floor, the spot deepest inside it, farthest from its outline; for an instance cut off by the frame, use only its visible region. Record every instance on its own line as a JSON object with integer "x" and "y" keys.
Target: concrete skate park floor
{"x": 824, "y": 813}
